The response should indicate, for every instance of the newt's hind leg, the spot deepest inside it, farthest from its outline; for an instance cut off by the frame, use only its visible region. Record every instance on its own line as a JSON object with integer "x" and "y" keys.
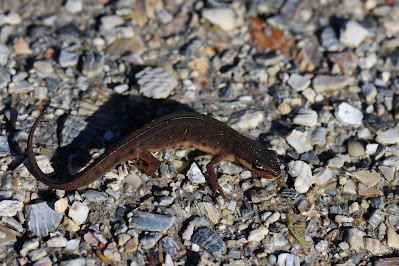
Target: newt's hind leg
{"x": 211, "y": 175}
{"x": 147, "y": 163}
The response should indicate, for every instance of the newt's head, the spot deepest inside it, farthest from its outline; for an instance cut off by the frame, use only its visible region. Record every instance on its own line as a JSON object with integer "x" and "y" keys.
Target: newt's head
{"x": 258, "y": 159}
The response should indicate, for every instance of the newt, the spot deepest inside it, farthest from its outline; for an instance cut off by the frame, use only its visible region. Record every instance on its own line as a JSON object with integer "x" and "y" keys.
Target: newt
{"x": 180, "y": 130}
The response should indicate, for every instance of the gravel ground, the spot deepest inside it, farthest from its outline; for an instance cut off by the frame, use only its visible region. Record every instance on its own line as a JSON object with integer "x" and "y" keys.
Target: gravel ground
{"x": 314, "y": 81}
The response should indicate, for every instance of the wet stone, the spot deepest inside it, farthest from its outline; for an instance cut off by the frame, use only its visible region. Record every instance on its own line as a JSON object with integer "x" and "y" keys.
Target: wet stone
{"x": 151, "y": 222}
{"x": 156, "y": 83}
{"x": 42, "y": 219}
{"x": 209, "y": 240}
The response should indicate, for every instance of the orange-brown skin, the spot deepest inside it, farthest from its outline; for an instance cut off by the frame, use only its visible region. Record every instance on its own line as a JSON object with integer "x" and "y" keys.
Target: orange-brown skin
{"x": 181, "y": 130}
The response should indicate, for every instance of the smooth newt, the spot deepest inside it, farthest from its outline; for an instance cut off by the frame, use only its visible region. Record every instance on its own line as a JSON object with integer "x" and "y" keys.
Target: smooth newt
{"x": 181, "y": 130}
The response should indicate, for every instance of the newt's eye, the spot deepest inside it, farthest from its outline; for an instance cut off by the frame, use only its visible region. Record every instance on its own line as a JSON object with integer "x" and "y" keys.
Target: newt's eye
{"x": 258, "y": 167}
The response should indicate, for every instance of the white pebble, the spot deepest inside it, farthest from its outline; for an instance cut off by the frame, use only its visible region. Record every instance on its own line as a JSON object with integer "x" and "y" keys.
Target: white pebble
{"x": 78, "y": 212}
{"x": 298, "y": 141}
{"x": 322, "y": 175}
{"x": 389, "y": 137}
{"x": 195, "y": 175}
{"x": 258, "y": 234}
{"x": 353, "y": 34}
{"x": 303, "y": 175}
{"x": 349, "y": 115}
{"x": 10, "y": 208}
{"x": 306, "y": 117}
{"x": 225, "y": 18}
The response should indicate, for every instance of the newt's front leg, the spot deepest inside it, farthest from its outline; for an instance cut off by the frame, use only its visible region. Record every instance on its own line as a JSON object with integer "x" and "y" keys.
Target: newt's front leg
{"x": 147, "y": 163}
{"x": 211, "y": 175}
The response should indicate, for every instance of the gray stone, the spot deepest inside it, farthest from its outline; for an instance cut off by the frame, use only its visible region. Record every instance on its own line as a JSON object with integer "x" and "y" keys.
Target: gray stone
{"x": 209, "y": 240}
{"x": 151, "y": 222}
{"x": 4, "y": 147}
{"x": 323, "y": 83}
{"x": 156, "y": 83}
{"x": 68, "y": 59}
{"x": 42, "y": 219}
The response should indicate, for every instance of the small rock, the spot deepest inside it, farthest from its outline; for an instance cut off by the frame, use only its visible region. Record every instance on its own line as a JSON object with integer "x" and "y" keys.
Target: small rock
{"x": 151, "y": 222}
{"x": 134, "y": 180}
{"x": 95, "y": 196}
{"x": 322, "y": 83}
{"x": 112, "y": 253}
{"x": 68, "y": 59}
{"x": 350, "y": 187}
{"x": 352, "y": 34}
{"x": 21, "y": 47}
{"x": 121, "y": 88}
{"x": 37, "y": 254}
{"x": 61, "y": 205}
{"x": 209, "y": 240}
{"x": 72, "y": 245}
{"x": 4, "y": 148}
{"x": 149, "y": 241}
{"x": 247, "y": 119}
{"x": 258, "y": 234}
{"x": 285, "y": 259}
{"x": 132, "y": 245}
{"x": 209, "y": 210}
{"x": 195, "y": 175}
{"x": 225, "y": 18}
{"x": 330, "y": 41}
{"x": 111, "y": 21}
{"x": 78, "y": 212}
{"x": 347, "y": 61}
{"x": 74, "y": 262}
{"x": 341, "y": 219}
{"x": 298, "y": 82}
{"x": 306, "y": 117}
{"x": 46, "y": 261}
{"x": 389, "y": 137}
{"x": 4, "y": 52}
{"x": 355, "y": 148}
{"x": 28, "y": 246}
{"x": 5, "y": 77}
{"x": 303, "y": 175}
{"x": 376, "y": 218}
{"x": 20, "y": 87}
{"x": 57, "y": 241}
{"x": 322, "y": 175}
{"x": 90, "y": 239}
{"x": 155, "y": 83}
{"x": 375, "y": 247}
{"x": 355, "y": 239}
{"x": 169, "y": 246}
{"x": 392, "y": 238}
{"x": 10, "y": 208}
{"x": 44, "y": 67}
{"x": 369, "y": 178}
{"x": 126, "y": 46}
{"x": 387, "y": 171}
{"x": 349, "y": 115}
{"x": 92, "y": 65}
{"x": 368, "y": 192}
{"x": 336, "y": 163}
{"x": 259, "y": 195}
{"x": 298, "y": 141}
{"x": 73, "y": 6}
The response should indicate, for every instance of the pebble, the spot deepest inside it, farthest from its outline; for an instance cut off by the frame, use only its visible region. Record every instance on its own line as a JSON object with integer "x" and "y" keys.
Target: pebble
{"x": 10, "y": 208}
{"x": 170, "y": 246}
{"x": 389, "y": 137}
{"x": 90, "y": 239}
{"x": 355, "y": 239}
{"x": 95, "y": 196}
{"x": 72, "y": 245}
{"x": 306, "y": 117}
{"x": 92, "y": 65}
{"x": 195, "y": 175}
{"x": 132, "y": 245}
{"x": 21, "y": 47}
{"x": 37, "y": 254}
{"x": 375, "y": 123}
{"x": 303, "y": 175}
{"x": 20, "y": 87}
{"x": 225, "y": 18}
{"x": 209, "y": 240}
{"x": 134, "y": 180}
{"x": 355, "y": 148}
{"x": 209, "y": 210}
{"x": 376, "y": 218}
{"x": 149, "y": 241}
{"x": 330, "y": 41}
{"x": 322, "y": 175}
{"x": 74, "y": 262}
{"x": 61, "y": 205}
{"x": 112, "y": 253}
{"x": 287, "y": 259}
{"x": 352, "y": 34}
{"x": 298, "y": 82}
{"x": 126, "y": 46}
{"x": 346, "y": 61}
{"x": 4, "y": 53}
{"x": 5, "y": 77}
{"x": 247, "y": 120}
{"x": 121, "y": 88}
{"x": 42, "y": 219}
{"x": 78, "y": 212}
{"x": 151, "y": 222}
{"x": 28, "y": 246}
{"x": 57, "y": 241}
{"x": 349, "y": 115}
{"x": 4, "y": 147}
{"x": 74, "y": 6}
{"x": 369, "y": 178}
{"x": 299, "y": 141}
{"x": 375, "y": 247}
{"x": 322, "y": 83}
{"x": 257, "y": 195}
{"x": 258, "y": 234}
{"x": 387, "y": 171}
{"x": 43, "y": 262}
{"x": 368, "y": 192}
{"x": 392, "y": 238}
{"x": 156, "y": 83}
{"x": 68, "y": 59}
{"x": 111, "y": 21}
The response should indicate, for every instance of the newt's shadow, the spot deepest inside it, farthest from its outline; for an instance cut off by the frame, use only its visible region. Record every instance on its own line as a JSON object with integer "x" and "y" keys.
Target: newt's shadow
{"x": 78, "y": 135}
